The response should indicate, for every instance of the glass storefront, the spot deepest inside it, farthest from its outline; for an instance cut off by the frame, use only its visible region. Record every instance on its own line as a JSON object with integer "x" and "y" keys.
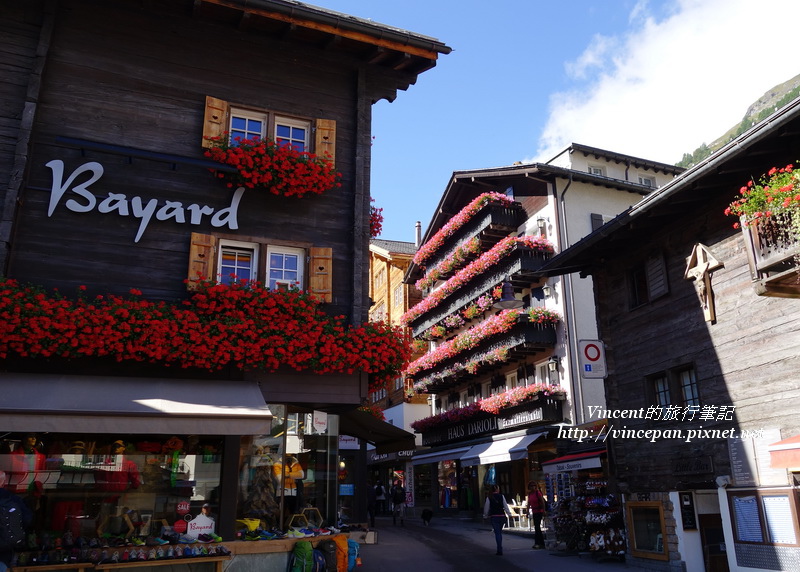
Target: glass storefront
{"x": 121, "y": 487}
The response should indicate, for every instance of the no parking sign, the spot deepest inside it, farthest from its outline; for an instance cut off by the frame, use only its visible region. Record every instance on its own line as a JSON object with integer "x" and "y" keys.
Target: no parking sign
{"x": 592, "y": 359}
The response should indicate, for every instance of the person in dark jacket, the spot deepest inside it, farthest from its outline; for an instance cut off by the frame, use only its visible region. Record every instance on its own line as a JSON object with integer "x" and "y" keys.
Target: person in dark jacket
{"x": 7, "y": 552}
{"x": 371, "y": 504}
{"x": 496, "y": 509}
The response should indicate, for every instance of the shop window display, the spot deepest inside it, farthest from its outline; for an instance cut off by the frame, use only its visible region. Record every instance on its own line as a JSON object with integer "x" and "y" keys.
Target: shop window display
{"x": 448, "y": 484}
{"x": 97, "y": 497}
{"x": 279, "y": 475}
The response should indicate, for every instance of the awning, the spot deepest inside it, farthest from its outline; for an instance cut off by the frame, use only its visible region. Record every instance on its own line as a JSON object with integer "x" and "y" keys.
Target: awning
{"x": 386, "y": 437}
{"x": 500, "y": 451}
{"x": 785, "y": 454}
{"x": 129, "y": 405}
{"x": 574, "y": 462}
{"x": 438, "y": 455}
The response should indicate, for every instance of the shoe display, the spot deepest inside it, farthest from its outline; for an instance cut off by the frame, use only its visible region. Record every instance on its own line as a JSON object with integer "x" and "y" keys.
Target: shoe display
{"x": 293, "y": 533}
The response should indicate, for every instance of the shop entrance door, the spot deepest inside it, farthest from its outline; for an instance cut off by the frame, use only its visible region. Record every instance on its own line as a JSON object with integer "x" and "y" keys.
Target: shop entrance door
{"x": 713, "y": 540}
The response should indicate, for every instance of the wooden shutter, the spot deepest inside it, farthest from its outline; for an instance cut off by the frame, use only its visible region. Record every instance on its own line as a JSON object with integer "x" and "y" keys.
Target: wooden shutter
{"x": 325, "y": 139}
{"x": 320, "y": 273}
{"x": 215, "y": 123}
{"x": 597, "y": 221}
{"x": 656, "y": 271}
{"x": 201, "y": 259}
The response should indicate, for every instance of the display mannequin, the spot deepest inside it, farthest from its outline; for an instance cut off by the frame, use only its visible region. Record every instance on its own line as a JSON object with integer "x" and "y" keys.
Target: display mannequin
{"x": 122, "y": 474}
{"x": 26, "y": 461}
{"x": 287, "y": 474}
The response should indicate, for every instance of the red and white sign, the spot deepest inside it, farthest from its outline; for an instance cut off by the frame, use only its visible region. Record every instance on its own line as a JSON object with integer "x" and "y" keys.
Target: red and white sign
{"x": 182, "y": 508}
{"x": 179, "y": 526}
{"x": 592, "y": 357}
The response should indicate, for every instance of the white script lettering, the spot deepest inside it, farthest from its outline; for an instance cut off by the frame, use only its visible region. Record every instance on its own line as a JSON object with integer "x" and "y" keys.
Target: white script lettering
{"x": 119, "y": 203}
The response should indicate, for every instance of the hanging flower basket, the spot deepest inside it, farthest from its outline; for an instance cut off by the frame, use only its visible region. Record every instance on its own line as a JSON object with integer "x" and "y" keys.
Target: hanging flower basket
{"x": 276, "y": 168}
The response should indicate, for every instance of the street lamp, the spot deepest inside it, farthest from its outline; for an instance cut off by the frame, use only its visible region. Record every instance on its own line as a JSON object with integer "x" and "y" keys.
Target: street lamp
{"x": 507, "y": 299}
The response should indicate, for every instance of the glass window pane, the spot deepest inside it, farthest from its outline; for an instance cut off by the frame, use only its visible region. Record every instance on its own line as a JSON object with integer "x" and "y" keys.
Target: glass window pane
{"x": 689, "y": 388}
{"x": 238, "y": 123}
{"x": 275, "y": 260}
{"x": 290, "y": 262}
{"x": 778, "y": 514}
{"x": 748, "y": 523}
{"x": 283, "y": 131}
{"x": 647, "y": 533}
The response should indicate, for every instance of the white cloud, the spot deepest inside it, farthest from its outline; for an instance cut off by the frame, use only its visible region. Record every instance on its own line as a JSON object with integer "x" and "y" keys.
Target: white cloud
{"x": 674, "y": 82}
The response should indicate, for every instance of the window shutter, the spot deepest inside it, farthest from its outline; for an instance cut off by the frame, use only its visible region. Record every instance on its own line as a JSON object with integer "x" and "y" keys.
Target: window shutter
{"x": 597, "y": 221}
{"x": 215, "y": 122}
{"x": 325, "y": 139}
{"x": 201, "y": 259}
{"x": 656, "y": 277}
{"x": 320, "y": 273}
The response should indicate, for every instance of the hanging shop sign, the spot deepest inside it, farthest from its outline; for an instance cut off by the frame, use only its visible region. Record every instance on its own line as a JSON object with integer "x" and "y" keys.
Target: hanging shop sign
{"x": 78, "y": 183}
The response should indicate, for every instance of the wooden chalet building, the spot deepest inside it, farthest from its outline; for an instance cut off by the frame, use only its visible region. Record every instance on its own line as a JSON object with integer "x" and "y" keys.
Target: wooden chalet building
{"x": 702, "y": 341}
{"x": 122, "y": 409}
{"x": 504, "y": 369}
{"x": 391, "y": 298}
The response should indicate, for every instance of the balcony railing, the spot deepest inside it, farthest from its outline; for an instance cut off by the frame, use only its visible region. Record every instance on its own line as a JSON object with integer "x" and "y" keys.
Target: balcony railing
{"x": 522, "y": 339}
{"x": 493, "y": 222}
{"x": 773, "y": 251}
{"x": 520, "y": 265}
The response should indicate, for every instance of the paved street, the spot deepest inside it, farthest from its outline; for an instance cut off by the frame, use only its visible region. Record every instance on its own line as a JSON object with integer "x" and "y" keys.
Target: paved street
{"x": 451, "y": 544}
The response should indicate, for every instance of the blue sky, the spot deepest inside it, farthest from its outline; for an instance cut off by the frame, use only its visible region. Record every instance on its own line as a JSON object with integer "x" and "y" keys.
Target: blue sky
{"x": 653, "y": 79}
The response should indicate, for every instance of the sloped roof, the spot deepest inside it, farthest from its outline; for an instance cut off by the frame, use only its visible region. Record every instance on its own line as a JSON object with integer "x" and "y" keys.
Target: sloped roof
{"x": 711, "y": 183}
{"x": 399, "y": 51}
{"x": 394, "y": 246}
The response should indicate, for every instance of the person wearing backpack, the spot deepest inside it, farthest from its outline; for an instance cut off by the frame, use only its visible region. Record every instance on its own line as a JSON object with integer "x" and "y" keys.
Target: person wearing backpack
{"x": 496, "y": 509}
{"x": 15, "y": 518}
{"x": 398, "y": 496}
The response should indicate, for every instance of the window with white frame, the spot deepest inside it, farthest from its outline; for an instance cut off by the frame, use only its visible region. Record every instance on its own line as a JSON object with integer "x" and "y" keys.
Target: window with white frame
{"x": 247, "y": 124}
{"x": 597, "y": 170}
{"x": 316, "y": 135}
{"x": 511, "y": 380}
{"x": 226, "y": 260}
{"x": 397, "y": 295}
{"x": 647, "y": 181}
{"x": 399, "y": 383}
{"x": 285, "y": 267}
{"x": 237, "y": 261}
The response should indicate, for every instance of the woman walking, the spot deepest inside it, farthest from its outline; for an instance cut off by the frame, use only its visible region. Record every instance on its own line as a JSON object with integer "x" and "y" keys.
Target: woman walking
{"x": 496, "y": 509}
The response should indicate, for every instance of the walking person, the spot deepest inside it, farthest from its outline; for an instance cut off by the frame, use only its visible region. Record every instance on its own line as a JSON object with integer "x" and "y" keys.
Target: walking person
{"x": 496, "y": 509}
{"x": 380, "y": 498}
{"x": 536, "y": 510}
{"x": 398, "y": 497}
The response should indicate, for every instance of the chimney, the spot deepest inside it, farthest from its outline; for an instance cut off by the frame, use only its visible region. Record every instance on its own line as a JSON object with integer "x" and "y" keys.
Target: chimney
{"x": 418, "y": 234}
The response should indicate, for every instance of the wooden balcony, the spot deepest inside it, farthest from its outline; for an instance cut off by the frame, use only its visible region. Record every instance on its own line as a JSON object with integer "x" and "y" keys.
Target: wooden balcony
{"x": 773, "y": 251}
{"x": 523, "y": 339}
{"x": 520, "y": 265}
{"x": 491, "y": 224}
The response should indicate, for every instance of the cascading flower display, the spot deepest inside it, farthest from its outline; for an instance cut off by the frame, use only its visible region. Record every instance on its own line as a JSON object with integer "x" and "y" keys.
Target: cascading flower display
{"x": 469, "y": 339}
{"x": 489, "y": 405}
{"x": 243, "y": 325}
{"x": 775, "y": 193}
{"x": 276, "y": 167}
{"x": 486, "y": 261}
{"x": 438, "y": 240}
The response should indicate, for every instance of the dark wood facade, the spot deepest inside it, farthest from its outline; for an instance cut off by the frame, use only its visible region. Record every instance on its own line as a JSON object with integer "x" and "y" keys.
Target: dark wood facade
{"x": 740, "y": 345}
{"x": 125, "y": 86}
{"x": 104, "y": 186}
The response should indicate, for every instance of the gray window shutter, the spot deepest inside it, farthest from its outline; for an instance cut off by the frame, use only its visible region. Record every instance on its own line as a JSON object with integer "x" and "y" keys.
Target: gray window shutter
{"x": 656, "y": 270}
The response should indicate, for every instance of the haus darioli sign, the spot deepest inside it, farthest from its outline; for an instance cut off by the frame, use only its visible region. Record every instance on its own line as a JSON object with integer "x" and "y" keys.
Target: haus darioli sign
{"x": 135, "y": 206}
{"x": 483, "y": 426}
